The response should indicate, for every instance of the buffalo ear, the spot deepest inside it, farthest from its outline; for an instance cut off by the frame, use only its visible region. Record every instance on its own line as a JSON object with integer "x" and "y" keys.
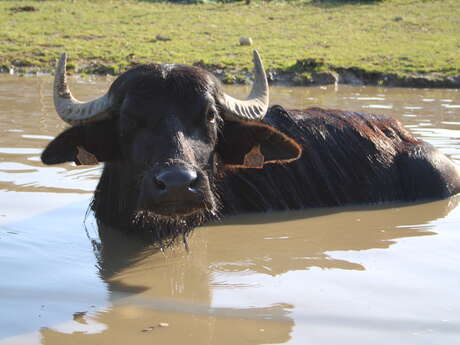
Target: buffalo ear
{"x": 84, "y": 144}
{"x": 254, "y": 144}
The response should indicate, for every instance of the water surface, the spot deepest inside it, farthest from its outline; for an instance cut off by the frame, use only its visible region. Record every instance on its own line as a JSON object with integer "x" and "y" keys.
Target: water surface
{"x": 385, "y": 274}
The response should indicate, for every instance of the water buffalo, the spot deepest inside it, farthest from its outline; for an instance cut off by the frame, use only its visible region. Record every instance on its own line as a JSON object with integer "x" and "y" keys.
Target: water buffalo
{"x": 179, "y": 151}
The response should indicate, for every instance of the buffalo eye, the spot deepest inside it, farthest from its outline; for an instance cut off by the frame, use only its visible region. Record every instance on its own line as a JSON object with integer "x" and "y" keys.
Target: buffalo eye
{"x": 211, "y": 116}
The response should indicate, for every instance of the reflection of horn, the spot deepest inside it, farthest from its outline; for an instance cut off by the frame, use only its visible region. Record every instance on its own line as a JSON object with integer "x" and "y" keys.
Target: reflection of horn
{"x": 255, "y": 107}
{"x": 72, "y": 110}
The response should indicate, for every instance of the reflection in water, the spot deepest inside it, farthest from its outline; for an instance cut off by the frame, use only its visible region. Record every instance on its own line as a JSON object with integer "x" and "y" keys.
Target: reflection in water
{"x": 353, "y": 275}
{"x": 302, "y": 244}
{"x": 148, "y": 287}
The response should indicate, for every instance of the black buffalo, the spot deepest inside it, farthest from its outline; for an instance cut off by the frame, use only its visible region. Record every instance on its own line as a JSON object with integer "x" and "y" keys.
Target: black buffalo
{"x": 179, "y": 151}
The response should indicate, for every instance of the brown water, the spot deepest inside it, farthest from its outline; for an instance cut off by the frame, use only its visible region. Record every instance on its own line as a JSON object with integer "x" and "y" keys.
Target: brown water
{"x": 356, "y": 275}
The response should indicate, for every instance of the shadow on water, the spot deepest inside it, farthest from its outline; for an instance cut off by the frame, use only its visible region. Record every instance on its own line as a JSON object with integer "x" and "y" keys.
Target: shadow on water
{"x": 306, "y": 237}
{"x": 148, "y": 287}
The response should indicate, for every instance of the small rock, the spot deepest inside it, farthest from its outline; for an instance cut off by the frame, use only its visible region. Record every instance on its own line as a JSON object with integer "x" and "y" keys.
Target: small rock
{"x": 151, "y": 328}
{"x": 398, "y": 19}
{"x": 79, "y": 316}
{"x": 350, "y": 78}
{"x": 162, "y": 38}
{"x": 245, "y": 41}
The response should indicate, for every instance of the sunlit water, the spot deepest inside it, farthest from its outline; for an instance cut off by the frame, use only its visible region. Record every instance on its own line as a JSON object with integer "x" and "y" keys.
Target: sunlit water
{"x": 355, "y": 275}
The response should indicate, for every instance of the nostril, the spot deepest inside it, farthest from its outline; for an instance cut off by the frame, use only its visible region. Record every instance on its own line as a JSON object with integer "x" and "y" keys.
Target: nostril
{"x": 176, "y": 179}
{"x": 160, "y": 184}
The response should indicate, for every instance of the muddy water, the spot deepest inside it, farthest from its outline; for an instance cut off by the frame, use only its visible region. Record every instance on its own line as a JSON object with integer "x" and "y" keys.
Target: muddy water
{"x": 355, "y": 275}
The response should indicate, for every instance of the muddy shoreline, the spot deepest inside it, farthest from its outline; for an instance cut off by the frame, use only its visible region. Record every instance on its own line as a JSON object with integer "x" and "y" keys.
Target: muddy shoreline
{"x": 292, "y": 77}
{"x": 357, "y": 77}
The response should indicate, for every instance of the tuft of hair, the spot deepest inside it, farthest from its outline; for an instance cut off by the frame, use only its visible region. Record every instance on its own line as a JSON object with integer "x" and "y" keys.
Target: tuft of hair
{"x": 164, "y": 232}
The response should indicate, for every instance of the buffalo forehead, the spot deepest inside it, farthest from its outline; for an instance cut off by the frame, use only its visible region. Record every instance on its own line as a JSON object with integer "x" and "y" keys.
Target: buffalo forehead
{"x": 172, "y": 79}
{"x": 168, "y": 89}
{"x": 150, "y": 110}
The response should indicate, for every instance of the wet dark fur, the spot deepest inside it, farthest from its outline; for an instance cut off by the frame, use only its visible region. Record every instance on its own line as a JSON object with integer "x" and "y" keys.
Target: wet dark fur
{"x": 120, "y": 210}
{"x": 346, "y": 157}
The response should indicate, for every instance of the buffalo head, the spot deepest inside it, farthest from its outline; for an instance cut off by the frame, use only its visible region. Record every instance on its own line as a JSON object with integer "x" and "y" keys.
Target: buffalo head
{"x": 167, "y": 134}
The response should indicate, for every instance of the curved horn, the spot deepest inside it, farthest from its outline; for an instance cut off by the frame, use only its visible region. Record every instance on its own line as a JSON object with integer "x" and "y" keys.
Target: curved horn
{"x": 255, "y": 106}
{"x": 72, "y": 110}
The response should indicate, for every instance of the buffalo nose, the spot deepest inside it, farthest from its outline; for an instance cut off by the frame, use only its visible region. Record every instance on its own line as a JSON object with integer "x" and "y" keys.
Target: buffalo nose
{"x": 176, "y": 180}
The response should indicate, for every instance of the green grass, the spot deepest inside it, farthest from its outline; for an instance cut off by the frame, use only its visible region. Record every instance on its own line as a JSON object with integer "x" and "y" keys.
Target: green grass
{"x": 405, "y": 37}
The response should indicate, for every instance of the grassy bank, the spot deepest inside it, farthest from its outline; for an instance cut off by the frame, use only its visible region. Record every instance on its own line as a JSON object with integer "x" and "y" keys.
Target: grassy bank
{"x": 402, "y": 38}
